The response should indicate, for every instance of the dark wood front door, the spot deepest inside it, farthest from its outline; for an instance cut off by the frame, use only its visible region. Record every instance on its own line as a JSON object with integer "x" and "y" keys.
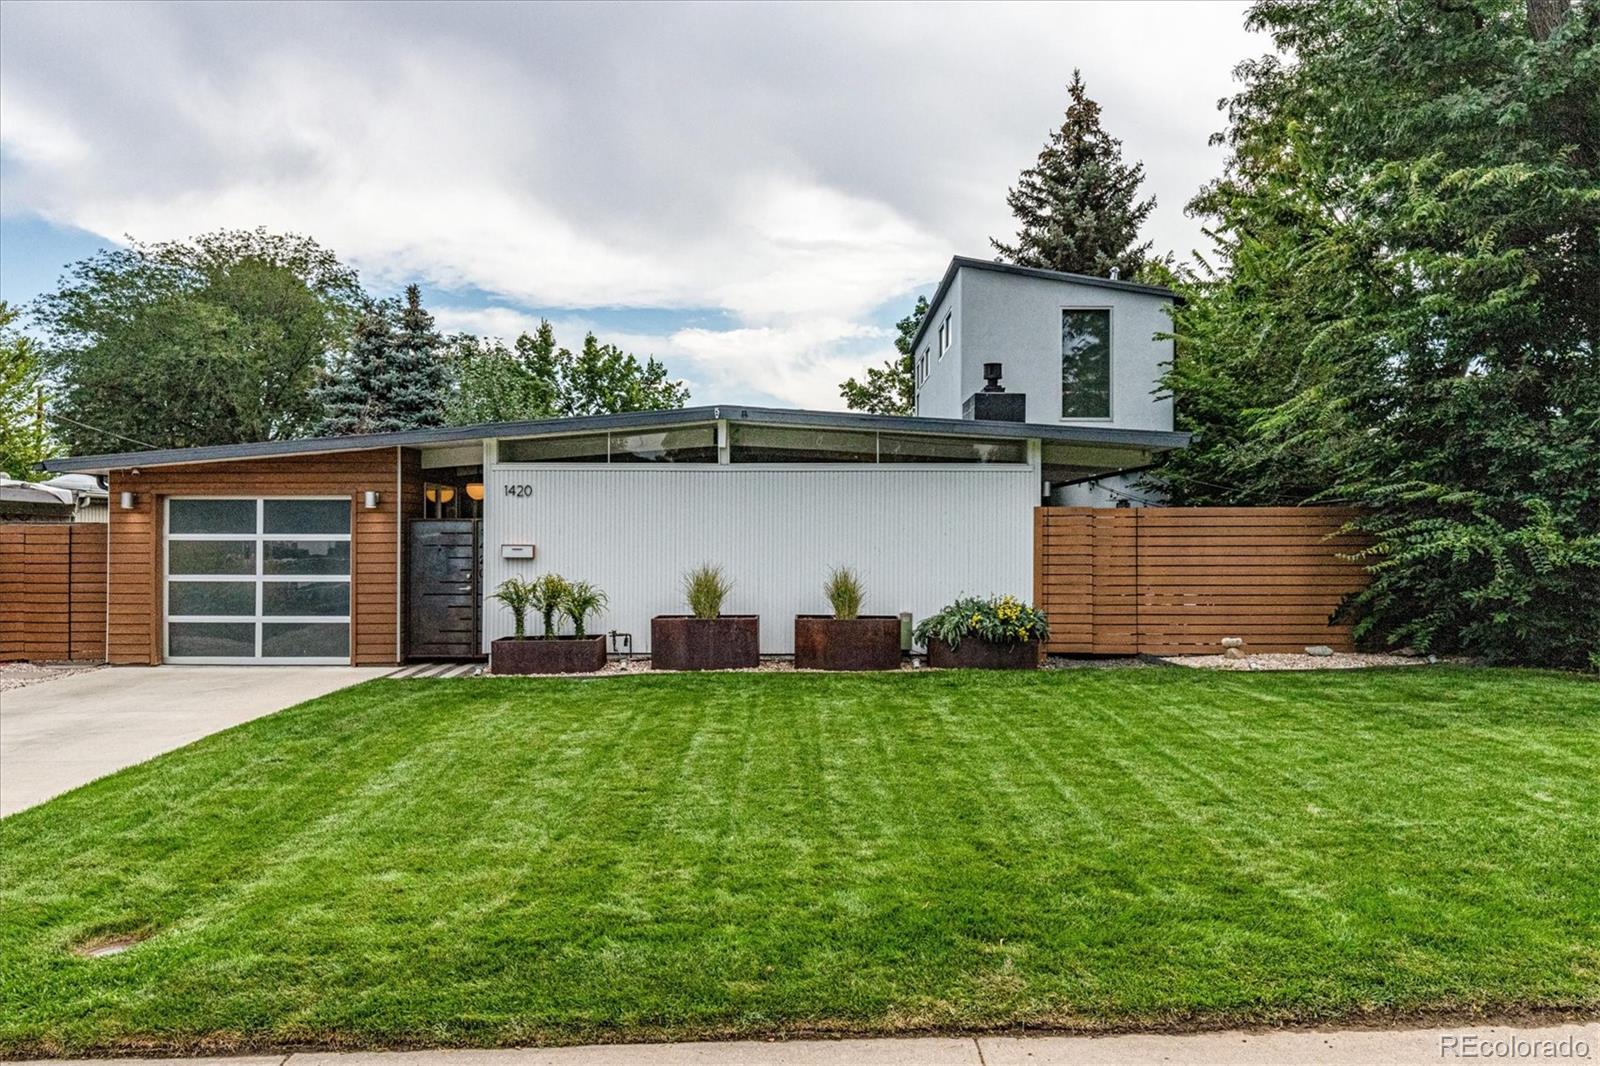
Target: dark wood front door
{"x": 444, "y": 589}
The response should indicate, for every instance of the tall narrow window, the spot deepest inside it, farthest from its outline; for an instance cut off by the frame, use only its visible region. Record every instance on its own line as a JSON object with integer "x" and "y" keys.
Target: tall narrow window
{"x": 1086, "y": 363}
{"x": 944, "y": 336}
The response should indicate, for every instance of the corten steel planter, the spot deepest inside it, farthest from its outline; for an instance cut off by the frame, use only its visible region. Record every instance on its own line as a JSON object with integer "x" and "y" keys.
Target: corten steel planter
{"x": 975, "y": 654}
{"x": 870, "y": 642}
{"x": 547, "y": 655}
{"x": 684, "y": 642}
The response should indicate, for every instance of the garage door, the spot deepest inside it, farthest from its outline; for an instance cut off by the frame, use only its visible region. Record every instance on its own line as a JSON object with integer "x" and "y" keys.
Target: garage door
{"x": 258, "y": 580}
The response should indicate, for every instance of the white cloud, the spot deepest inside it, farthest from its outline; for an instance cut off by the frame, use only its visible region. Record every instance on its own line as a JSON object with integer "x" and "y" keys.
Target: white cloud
{"x": 792, "y": 166}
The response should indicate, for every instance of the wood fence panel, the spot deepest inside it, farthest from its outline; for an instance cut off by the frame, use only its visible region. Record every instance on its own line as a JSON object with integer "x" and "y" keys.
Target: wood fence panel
{"x": 1176, "y": 580}
{"x": 52, "y": 591}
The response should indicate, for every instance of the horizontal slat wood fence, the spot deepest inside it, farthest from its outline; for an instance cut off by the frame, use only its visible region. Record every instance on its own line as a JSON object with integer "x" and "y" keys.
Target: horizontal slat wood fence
{"x": 53, "y": 591}
{"x": 1176, "y": 580}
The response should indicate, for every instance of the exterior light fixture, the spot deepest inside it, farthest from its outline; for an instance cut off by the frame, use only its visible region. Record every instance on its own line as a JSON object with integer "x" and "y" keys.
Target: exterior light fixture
{"x": 369, "y": 500}
{"x": 127, "y": 501}
{"x": 475, "y": 490}
{"x": 439, "y": 493}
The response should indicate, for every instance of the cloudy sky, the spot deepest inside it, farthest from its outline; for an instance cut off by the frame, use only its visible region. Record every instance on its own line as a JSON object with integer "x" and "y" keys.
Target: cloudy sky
{"x": 754, "y": 194}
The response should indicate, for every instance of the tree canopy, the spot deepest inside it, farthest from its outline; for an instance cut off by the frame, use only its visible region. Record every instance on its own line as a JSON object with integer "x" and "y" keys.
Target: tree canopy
{"x": 214, "y": 340}
{"x": 533, "y": 378}
{"x": 1405, "y": 311}
{"x": 891, "y": 388}
{"x": 1078, "y": 208}
{"x": 25, "y": 437}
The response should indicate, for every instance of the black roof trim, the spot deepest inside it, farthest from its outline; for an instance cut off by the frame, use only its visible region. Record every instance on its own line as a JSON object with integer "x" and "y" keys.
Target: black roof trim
{"x": 959, "y": 261}
{"x": 1156, "y": 440}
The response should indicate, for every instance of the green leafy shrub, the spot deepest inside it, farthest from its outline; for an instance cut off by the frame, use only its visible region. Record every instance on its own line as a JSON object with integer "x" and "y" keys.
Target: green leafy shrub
{"x": 518, "y": 595}
{"x": 705, "y": 587}
{"x": 583, "y": 600}
{"x": 998, "y": 620}
{"x": 550, "y": 592}
{"x": 844, "y": 591}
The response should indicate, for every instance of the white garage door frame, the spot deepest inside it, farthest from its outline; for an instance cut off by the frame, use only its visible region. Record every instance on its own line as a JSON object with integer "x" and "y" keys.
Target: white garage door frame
{"x": 258, "y": 618}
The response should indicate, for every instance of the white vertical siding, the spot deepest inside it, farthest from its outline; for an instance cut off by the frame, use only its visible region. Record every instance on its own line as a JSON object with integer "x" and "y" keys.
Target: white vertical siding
{"x": 919, "y": 536}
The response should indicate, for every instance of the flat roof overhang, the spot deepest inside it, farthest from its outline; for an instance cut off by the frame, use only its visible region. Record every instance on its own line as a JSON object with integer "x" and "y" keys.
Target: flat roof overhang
{"x": 1100, "y": 440}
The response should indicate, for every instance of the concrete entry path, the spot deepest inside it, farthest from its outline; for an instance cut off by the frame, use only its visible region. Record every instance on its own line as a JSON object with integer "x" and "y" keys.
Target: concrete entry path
{"x": 1578, "y": 1043}
{"x": 65, "y": 732}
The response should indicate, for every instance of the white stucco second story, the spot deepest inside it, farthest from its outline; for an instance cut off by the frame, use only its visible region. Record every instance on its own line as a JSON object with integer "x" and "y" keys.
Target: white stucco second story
{"x": 1082, "y": 350}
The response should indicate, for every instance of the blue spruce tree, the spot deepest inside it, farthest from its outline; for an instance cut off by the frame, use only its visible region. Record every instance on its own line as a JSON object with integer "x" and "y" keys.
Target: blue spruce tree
{"x": 350, "y": 396}
{"x": 415, "y": 377}
{"x": 394, "y": 376}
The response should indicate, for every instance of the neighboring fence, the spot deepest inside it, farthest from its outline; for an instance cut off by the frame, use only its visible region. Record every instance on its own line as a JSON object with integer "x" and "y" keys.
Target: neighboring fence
{"x": 1176, "y": 580}
{"x": 53, "y": 591}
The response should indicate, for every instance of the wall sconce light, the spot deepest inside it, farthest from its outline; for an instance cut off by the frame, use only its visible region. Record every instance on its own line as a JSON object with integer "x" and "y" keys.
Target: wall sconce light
{"x": 126, "y": 501}
{"x": 439, "y": 493}
{"x": 369, "y": 500}
{"x": 475, "y": 490}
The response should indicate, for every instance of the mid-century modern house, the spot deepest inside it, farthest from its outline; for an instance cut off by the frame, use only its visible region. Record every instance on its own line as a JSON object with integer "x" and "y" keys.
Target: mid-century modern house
{"x": 377, "y": 549}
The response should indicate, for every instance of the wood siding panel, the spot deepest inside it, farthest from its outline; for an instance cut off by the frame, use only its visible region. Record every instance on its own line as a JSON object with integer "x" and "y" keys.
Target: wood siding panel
{"x": 53, "y": 591}
{"x": 1176, "y": 580}
{"x": 136, "y": 540}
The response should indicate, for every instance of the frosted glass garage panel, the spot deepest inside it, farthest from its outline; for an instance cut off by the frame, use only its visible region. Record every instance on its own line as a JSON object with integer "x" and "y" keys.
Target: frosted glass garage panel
{"x": 306, "y": 516}
{"x": 211, "y": 557}
{"x": 211, "y": 516}
{"x": 211, "y": 640}
{"x": 305, "y": 598}
{"x": 211, "y": 598}
{"x": 304, "y": 557}
{"x": 305, "y": 640}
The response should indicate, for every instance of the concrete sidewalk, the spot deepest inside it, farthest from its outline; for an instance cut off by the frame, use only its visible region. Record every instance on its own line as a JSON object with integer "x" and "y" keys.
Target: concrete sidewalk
{"x": 1364, "y": 1047}
{"x": 58, "y": 734}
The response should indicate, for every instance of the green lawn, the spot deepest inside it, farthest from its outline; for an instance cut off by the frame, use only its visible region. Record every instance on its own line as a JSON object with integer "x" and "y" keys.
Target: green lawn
{"x": 497, "y": 861}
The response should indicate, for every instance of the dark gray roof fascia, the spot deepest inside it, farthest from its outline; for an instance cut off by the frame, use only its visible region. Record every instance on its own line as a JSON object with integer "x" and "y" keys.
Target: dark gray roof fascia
{"x": 1157, "y": 440}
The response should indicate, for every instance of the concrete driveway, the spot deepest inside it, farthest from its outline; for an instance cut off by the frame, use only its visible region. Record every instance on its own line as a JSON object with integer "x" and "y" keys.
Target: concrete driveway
{"x": 62, "y": 733}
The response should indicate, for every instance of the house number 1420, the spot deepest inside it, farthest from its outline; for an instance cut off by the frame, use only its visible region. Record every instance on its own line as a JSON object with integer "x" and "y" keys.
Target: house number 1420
{"x": 519, "y": 490}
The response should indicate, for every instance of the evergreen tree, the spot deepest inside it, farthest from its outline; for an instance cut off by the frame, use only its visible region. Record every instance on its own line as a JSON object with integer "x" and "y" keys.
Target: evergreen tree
{"x": 414, "y": 380}
{"x": 1078, "y": 207}
{"x": 891, "y": 388}
{"x": 351, "y": 396}
{"x": 393, "y": 378}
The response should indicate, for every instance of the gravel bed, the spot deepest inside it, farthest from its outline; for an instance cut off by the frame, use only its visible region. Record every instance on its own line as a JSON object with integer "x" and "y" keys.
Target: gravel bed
{"x": 20, "y": 675}
{"x": 1339, "y": 660}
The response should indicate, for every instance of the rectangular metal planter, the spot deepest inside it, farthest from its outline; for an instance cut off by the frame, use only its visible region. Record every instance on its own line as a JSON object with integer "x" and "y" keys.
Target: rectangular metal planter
{"x": 974, "y": 654}
{"x": 683, "y": 642}
{"x": 558, "y": 655}
{"x": 822, "y": 642}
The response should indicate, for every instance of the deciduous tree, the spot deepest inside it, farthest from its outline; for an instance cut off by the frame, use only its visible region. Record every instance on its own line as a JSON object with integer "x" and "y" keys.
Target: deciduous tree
{"x": 214, "y": 340}
{"x": 891, "y": 388}
{"x": 1407, "y": 311}
{"x": 25, "y": 438}
{"x": 533, "y": 378}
